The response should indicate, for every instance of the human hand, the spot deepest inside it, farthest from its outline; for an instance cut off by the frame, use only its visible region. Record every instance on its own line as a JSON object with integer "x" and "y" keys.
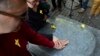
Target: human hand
{"x": 59, "y": 44}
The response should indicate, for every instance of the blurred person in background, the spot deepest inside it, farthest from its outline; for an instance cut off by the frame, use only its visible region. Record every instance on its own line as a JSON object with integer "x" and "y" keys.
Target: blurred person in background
{"x": 83, "y": 5}
{"x": 95, "y": 10}
{"x": 57, "y": 5}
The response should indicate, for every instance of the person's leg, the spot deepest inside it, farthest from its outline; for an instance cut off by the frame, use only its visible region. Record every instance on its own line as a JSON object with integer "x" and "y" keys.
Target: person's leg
{"x": 80, "y": 1}
{"x": 81, "y": 6}
{"x": 85, "y": 4}
{"x": 54, "y": 4}
{"x": 59, "y": 3}
{"x": 97, "y": 11}
{"x": 93, "y": 9}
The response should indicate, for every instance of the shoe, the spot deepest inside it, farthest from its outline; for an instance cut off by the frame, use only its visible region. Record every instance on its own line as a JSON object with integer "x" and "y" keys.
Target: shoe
{"x": 77, "y": 7}
{"x": 81, "y": 10}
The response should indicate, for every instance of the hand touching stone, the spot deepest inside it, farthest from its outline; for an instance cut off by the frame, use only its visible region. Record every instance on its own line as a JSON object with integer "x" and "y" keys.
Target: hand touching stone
{"x": 59, "y": 44}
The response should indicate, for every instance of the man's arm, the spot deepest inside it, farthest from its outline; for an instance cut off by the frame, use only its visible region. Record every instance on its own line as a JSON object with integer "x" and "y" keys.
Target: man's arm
{"x": 34, "y": 37}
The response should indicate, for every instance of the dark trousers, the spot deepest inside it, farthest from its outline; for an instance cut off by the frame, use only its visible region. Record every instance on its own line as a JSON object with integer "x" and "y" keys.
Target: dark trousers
{"x": 58, "y": 4}
{"x": 84, "y": 3}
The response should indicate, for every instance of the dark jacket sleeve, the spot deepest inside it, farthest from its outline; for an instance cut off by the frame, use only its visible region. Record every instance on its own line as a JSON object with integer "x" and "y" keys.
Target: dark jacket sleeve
{"x": 34, "y": 37}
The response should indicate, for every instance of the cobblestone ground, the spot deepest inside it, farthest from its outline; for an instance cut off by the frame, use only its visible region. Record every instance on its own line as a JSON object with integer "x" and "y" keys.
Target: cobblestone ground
{"x": 83, "y": 17}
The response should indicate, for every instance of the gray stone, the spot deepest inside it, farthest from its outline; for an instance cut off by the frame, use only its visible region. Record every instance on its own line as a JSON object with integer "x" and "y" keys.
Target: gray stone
{"x": 82, "y": 41}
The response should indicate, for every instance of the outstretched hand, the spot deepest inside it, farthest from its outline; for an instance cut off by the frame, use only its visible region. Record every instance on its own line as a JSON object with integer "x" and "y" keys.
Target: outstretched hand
{"x": 59, "y": 44}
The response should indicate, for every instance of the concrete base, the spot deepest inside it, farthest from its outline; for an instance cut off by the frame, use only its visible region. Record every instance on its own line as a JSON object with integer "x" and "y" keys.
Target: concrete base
{"x": 82, "y": 41}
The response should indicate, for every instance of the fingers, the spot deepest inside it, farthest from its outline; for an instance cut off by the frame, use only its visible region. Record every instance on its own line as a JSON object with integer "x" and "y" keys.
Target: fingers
{"x": 64, "y": 42}
{"x": 60, "y": 44}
